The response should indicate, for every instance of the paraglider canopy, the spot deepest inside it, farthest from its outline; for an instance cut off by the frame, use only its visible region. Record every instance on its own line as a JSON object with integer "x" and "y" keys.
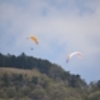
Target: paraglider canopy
{"x": 72, "y": 54}
{"x": 34, "y": 39}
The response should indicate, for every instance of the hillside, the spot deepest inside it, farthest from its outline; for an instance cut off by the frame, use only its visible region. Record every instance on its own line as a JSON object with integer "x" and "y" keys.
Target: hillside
{"x": 28, "y": 78}
{"x": 21, "y": 84}
{"x": 44, "y": 66}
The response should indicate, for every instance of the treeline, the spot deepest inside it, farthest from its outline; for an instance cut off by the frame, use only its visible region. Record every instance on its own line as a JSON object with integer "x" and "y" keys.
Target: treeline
{"x": 44, "y": 66}
{"x": 28, "y": 78}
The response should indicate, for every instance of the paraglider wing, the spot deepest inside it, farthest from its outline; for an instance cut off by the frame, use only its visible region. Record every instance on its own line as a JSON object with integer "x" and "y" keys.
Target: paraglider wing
{"x": 34, "y": 39}
{"x": 72, "y": 54}
{"x": 79, "y": 54}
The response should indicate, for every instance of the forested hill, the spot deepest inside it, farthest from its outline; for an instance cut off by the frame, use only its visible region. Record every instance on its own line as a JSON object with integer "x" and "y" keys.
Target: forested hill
{"x": 28, "y": 78}
{"x": 44, "y": 66}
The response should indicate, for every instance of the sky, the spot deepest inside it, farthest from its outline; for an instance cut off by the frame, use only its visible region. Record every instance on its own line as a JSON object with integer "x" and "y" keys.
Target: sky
{"x": 61, "y": 26}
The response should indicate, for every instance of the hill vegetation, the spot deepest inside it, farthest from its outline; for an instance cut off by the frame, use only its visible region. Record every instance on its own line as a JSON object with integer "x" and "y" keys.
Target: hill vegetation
{"x": 28, "y": 78}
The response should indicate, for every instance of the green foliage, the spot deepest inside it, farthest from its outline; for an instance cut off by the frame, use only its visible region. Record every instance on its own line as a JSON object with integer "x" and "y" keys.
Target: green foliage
{"x": 18, "y": 84}
{"x": 29, "y": 78}
{"x": 94, "y": 96}
{"x": 44, "y": 66}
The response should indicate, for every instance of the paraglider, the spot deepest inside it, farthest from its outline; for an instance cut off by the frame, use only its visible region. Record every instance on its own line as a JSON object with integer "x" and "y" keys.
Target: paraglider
{"x": 33, "y": 38}
{"x": 72, "y": 54}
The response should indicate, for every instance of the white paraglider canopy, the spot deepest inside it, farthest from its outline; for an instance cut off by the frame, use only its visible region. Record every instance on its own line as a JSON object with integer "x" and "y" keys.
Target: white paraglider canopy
{"x": 72, "y": 54}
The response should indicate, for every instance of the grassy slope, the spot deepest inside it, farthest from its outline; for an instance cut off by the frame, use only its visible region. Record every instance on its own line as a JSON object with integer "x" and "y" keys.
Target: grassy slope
{"x": 43, "y": 87}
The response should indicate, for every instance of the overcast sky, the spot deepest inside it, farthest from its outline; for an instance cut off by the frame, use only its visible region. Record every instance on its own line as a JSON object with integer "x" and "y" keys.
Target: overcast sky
{"x": 61, "y": 26}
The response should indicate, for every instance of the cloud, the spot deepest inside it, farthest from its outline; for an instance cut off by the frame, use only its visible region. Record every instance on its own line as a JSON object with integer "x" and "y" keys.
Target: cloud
{"x": 67, "y": 28}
